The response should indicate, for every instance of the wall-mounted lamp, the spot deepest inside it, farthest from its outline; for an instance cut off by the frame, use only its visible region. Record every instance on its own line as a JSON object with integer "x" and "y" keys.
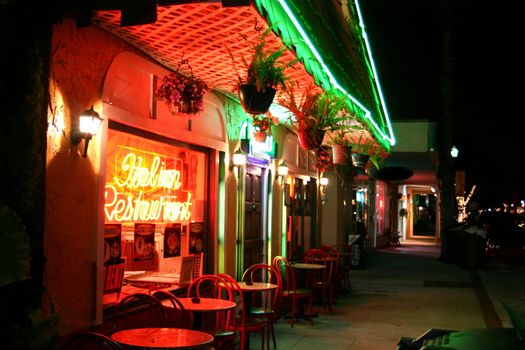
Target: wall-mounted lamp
{"x": 89, "y": 122}
{"x": 238, "y": 159}
{"x": 323, "y": 182}
{"x": 282, "y": 170}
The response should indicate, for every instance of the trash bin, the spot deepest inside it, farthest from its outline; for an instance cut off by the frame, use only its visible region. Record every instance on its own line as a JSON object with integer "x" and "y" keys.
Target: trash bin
{"x": 474, "y": 244}
{"x": 358, "y": 247}
{"x": 450, "y": 245}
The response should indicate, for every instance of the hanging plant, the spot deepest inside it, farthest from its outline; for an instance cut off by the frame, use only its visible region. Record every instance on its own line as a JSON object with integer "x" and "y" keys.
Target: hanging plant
{"x": 314, "y": 115}
{"x": 264, "y": 74}
{"x": 262, "y": 125}
{"x": 182, "y": 94}
{"x": 324, "y": 159}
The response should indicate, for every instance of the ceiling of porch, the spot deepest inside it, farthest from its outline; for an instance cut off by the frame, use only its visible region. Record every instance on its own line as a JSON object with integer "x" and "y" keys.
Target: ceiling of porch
{"x": 207, "y": 35}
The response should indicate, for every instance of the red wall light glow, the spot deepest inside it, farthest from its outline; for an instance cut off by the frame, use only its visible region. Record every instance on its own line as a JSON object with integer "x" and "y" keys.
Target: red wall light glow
{"x": 148, "y": 181}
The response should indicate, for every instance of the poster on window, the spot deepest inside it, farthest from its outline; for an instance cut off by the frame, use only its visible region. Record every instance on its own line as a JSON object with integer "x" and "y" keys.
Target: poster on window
{"x": 144, "y": 240}
{"x": 112, "y": 243}
{"x": 172, "y": 235}
{"x": 196, "y": 237}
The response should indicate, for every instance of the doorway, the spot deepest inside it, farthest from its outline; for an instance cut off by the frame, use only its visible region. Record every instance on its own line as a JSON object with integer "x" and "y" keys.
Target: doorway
{"x": 424, "y": 214}
{"x": 254, "y": 226}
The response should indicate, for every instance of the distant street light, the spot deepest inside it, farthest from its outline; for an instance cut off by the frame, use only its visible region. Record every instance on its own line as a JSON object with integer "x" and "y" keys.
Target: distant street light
{"x": 454, "y": 152}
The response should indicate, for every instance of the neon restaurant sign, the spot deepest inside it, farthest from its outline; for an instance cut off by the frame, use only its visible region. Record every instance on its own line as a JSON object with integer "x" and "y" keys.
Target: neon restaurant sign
{"x": 144, "y": 186}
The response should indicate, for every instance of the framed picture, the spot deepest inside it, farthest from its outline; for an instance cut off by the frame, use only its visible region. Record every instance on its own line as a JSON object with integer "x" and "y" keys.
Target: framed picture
{"x": 144, "y": 242}
{"x": 196, "y": 237}
{"x": 172, "y": 235}
{"x": 186, "y": 270}
{"x": 112, "y": 243}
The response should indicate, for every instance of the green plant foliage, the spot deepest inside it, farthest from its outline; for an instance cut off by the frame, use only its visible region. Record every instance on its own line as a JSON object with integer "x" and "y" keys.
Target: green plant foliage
{"x": 315, "y": 111}
{"x": 40, "y": 332}
{"x": 14, "y": 250}
{"x": 263, "y": 68}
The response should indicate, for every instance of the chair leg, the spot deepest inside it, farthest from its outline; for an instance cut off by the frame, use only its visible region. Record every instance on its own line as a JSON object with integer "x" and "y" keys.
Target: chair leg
{"x": 292, "y": 313}
{"x": 273, "y": 335}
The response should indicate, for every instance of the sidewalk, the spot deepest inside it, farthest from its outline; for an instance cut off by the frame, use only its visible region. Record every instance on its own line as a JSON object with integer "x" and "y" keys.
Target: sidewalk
{"x": 404, "y": 291}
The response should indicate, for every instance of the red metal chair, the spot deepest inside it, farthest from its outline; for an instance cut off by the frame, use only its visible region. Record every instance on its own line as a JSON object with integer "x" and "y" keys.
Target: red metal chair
{"x": 270, "y": 299}
{"x": 321, "y": 280}
{"x": 139, "y": 310}
{"x": 241, "y": 322}
{"x": 213, "y": 286}
{"x": 289, "y": 289}
{"x": 176, "y": 313}
{"x": 345, "y": 264}
{"x": 90, "y": 341}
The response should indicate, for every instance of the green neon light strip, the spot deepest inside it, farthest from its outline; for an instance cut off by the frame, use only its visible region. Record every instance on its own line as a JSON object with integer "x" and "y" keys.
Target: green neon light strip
{"x": 392, "y": 138}
{"x": 333, "y": 80}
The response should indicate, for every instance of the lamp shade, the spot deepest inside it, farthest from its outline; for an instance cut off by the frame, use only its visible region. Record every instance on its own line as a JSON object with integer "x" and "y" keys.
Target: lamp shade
{"x": 89, "y": 121}
{"x": 282, "y": 170}
{"x": 239, "y": 159}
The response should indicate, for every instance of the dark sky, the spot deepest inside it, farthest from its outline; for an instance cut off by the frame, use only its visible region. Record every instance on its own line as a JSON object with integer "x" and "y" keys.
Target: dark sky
{"x": 488, "y": 80}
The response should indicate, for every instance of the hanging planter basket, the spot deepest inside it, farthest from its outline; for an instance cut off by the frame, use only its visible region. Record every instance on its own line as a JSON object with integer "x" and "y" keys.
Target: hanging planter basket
{"x": 360, "y": 160}
{"x": 310, "y": 139}
{"x": 259, "y": 136}
{"x": 341, "y": 154}
{"x": 182, "y": 94}
{"x": 324, "y": 159}
{"x": 254, "y": 101}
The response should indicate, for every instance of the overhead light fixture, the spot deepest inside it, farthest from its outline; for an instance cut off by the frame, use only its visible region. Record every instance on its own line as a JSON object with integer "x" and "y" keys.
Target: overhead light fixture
{"x": 282, "y": 170}
{"x": 89, "y": 123}
{"x": 454, "y": 152}
{"x": 238, "y": 159}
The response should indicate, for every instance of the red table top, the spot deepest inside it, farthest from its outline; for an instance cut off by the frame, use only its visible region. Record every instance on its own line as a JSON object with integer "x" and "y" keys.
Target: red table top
{"x": 162, "y": 338}
{"x": 206, "y": 304}
{"x": 256, "y": 286}
{"x": 307, "y": 266}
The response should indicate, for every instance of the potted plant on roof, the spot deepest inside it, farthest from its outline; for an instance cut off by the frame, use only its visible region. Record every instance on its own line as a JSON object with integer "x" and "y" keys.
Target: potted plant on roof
{"x": 262, "y": 126}
{"x": 264, "y": 74}
{"x": 341, "y": 146}
{"x": 324, "y": 162}
{"x": 366, "y": 152}
{"x": 182, "y": 94}
{"x": 314, "y": 115}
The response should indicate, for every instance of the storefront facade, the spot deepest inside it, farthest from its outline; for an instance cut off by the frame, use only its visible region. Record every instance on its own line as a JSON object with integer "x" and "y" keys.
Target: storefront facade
{"x": 156, "y": 186}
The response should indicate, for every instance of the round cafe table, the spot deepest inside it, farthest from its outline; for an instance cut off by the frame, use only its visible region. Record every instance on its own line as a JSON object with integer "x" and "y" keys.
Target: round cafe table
{"x": 162, "y": 338}
{"x": 248, "y": 290}
{"x": 204, "y": 305}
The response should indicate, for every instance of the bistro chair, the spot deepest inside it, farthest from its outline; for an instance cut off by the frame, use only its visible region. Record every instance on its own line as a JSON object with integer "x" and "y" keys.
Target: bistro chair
{"x": 321, "y": 281}
{"x": 345, "y": 264}
{"x": 90, "y": 341}
{"x": 240, "y": 320}
{"x": 270, "y": 299}
{"x": 139, "y": 310}
{"x": 176, "y": 313}
{"x": 212, "y": 286}
{"x": 290, "y": 291}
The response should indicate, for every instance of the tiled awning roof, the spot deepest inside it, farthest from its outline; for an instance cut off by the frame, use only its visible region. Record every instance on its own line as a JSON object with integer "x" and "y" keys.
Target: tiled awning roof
{"x": 206, "y": 33}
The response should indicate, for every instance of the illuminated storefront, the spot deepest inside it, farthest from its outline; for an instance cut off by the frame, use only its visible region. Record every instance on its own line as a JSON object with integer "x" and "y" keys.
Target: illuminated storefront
{"x": 154, "y": 192}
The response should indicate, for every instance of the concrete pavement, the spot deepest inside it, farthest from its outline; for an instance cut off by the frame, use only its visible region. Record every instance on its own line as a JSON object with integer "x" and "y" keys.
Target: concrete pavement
{"x": 403, "y": 292}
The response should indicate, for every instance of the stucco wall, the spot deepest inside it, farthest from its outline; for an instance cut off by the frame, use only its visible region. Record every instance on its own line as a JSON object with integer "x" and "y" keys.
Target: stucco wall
{"x": 79, "y": 61}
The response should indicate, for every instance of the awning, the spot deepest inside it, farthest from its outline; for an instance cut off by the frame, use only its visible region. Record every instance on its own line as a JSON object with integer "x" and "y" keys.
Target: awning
{"x": 333, "y": 54}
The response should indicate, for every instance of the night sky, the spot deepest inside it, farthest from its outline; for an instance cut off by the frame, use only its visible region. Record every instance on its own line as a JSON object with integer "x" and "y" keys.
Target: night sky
{"x": 407, "y": 44}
